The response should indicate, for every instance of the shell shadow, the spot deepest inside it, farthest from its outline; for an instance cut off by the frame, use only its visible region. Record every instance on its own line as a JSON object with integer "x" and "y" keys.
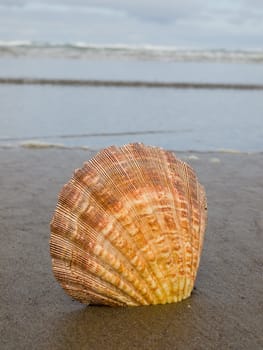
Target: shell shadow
{"x": 144, "y": 327}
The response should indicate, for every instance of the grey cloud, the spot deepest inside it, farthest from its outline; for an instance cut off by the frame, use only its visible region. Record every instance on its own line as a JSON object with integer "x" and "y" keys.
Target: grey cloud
{"x": 163, "y": 11}
{"x": 232, "y": 23}
{"x": 153, "y": 10}
{"x": 253, "y": 4}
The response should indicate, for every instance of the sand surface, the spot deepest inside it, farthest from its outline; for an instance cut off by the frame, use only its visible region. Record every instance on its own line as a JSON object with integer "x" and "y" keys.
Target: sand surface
{"x": 225, "y": 310}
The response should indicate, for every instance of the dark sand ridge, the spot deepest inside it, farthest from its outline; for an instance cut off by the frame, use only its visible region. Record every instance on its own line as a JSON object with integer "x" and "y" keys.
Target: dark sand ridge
{"x": 132, "y": 84}
{"x": 225, "y": 310}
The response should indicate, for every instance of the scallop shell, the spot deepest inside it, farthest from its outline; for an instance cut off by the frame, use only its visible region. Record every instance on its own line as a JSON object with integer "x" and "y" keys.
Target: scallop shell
{"x": 128, "y": 228}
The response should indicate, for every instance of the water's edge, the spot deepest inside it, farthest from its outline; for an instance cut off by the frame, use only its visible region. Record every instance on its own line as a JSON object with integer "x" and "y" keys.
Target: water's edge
{"x": 39, "y": 146}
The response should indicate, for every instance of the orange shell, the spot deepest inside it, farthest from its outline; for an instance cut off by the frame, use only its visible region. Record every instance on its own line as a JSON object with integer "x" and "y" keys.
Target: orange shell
{"x": 128, "y": 228}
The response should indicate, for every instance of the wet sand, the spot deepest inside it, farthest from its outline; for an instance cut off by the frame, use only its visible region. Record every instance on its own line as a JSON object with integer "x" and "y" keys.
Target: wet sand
{"x": 225, "y": 310}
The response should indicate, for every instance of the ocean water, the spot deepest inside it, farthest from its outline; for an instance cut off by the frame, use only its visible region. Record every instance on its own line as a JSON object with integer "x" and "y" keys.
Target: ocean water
{"x": 180, "y": 119}
{"x": 131, "y": 69}
{"x": 193, "y": 118}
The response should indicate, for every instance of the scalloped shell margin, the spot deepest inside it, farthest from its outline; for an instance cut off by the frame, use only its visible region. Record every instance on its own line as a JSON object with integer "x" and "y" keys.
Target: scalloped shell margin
{"x": 128, "y": 228}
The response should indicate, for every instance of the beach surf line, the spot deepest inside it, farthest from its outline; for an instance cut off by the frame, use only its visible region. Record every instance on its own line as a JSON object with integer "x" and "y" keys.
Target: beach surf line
{"x": 96, "y": 134}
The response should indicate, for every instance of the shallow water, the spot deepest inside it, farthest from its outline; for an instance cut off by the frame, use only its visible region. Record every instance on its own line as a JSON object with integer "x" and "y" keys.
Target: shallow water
{"x": 131, "y": 70}
{"x": 98, "y": 116}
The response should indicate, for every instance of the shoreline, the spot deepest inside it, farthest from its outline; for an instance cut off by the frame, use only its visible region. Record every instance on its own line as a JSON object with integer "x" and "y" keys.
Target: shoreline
{"x": 38, "y": 145}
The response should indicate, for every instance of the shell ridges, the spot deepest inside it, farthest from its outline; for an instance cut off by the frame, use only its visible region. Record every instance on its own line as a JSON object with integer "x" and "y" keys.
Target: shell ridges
{"x": 128, "y": 228}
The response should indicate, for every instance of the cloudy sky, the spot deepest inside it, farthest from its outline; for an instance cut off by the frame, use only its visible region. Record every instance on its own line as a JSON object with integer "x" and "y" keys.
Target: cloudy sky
{"x": 185, "y": 23}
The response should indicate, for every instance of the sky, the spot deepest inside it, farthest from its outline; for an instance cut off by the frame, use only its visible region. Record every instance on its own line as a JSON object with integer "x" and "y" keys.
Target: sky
{"x": 232, "y": 24}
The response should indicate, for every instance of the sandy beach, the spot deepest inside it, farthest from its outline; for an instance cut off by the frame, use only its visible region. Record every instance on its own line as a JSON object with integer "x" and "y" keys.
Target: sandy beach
{"x": 225, "y": 310}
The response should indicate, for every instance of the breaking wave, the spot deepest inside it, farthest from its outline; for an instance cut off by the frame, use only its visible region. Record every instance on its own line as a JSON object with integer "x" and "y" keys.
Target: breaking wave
{"x": 82, "y": 50}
